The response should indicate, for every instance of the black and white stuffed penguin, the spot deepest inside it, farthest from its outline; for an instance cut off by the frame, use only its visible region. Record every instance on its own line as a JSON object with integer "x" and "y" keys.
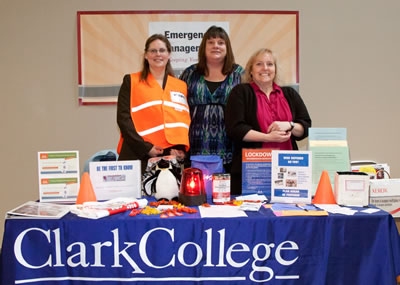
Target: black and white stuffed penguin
{"x": 163, "y": 180}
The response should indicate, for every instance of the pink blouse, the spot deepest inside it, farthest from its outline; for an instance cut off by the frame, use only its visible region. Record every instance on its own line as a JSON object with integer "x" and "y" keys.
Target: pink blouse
{"x": 276, "y": 108}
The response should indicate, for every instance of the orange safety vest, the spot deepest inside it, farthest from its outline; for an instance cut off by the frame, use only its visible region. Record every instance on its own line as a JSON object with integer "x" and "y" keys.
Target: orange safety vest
{"x": 161, "y": 117}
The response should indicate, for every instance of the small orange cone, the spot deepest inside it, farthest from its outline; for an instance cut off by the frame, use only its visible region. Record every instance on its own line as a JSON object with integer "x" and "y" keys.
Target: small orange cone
{"x": 324, "y": 193}
{"x": 86, "y": 192}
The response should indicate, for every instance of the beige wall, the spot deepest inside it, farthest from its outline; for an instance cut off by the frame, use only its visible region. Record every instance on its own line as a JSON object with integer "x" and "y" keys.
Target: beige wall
{"x": 349, "y": 70}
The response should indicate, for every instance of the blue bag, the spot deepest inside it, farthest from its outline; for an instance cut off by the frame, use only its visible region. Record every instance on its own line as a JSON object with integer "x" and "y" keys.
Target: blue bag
{"x": 208, "y": 164}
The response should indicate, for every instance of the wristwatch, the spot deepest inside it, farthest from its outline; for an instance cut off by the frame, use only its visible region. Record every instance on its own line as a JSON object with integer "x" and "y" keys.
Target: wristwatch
{"x": 291, "y": 126}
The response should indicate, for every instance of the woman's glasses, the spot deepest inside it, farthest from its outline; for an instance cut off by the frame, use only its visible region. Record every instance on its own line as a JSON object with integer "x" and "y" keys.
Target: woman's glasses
{"x": 155, "y": 51}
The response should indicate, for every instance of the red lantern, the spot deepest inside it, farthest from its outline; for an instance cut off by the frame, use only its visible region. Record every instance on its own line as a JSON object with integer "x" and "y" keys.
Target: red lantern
{"x": 192, "y": 192}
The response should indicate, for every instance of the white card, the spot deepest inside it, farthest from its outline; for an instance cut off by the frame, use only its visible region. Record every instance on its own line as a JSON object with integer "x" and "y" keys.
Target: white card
{"x": 116, "y": 179}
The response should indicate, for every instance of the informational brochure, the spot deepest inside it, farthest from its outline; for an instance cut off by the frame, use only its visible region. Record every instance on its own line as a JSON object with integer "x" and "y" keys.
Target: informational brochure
{"x": 291, "y": 176}
{"x": 114, "y": 179}
{"x": 39, "y": 210}
{"x": 58, "y": 176}
{"x": 330, "y": 152}
{"x": 256, "y": 171}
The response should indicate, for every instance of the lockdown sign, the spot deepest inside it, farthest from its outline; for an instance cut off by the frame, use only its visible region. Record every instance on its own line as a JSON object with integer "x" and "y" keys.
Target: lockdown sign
{"x": 256, "y": 171}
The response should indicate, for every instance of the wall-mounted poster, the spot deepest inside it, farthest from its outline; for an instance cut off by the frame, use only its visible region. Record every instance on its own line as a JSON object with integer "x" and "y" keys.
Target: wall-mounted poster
{"x": 111, "y": 43}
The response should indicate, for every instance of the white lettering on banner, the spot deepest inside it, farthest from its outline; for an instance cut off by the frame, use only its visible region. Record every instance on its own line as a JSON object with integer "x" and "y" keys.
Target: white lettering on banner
{"x": 258, "y": 258}
{"x": 209, "y": 247}
{"x": 117, "y": 253}
{"x": 221, "y": 247}
{"x": 81, "y": 255}
{"x": 293, "y": 246}
{"x": 231, "y": 249}
{"x": 142, "y": 248}
{"x": 58, "y": 247}
{"x": 258, "y": 154}
{"x": 18, "y": 250}
{"x": 97, "y": 253}
{"x": 259, "y": 253}
{"x": 181, "y": 252}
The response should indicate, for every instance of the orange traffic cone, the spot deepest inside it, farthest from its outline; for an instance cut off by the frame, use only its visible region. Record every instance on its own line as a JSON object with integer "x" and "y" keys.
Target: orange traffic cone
{"x": 324, "y": 193}
{"x": 86, "y": 192}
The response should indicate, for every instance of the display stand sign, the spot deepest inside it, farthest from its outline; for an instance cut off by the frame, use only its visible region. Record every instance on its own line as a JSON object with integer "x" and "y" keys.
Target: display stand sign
{"x": 116, "y": 179}
{"x": 58, "y": 176}
{"x": 256, "y": 171}
{"x": 291, "y": 176}
{"x": 330, "y": 152}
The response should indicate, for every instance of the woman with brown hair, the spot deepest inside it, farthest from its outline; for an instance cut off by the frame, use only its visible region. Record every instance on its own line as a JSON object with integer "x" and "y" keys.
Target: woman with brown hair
{"x": 152, "y": 113}
{"x": 209, "y": 84}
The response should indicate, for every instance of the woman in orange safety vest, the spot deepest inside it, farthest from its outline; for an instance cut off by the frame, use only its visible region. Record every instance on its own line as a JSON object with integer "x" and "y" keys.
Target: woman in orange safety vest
{"x": 152, "y": 113}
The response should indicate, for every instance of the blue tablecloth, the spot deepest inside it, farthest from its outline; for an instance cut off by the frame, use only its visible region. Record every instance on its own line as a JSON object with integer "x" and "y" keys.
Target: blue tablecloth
{"x": 260, "y": 249}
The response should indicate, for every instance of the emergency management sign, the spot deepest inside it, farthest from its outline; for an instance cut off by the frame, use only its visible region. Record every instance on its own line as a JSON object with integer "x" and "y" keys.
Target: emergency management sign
{"x": 111, "y": 43}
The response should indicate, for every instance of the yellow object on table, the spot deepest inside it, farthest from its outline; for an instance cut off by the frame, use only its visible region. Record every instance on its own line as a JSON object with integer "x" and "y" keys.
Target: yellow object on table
{"x": 287, "y": 213}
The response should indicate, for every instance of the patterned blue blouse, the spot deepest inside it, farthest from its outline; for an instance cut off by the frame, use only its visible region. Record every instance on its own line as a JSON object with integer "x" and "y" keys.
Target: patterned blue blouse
{"x": 207, "y": 133}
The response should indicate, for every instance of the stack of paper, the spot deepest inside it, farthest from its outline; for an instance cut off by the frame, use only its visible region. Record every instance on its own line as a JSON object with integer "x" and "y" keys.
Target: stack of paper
{"x": 296, "y": 210}
{"x": 330, "y": 152}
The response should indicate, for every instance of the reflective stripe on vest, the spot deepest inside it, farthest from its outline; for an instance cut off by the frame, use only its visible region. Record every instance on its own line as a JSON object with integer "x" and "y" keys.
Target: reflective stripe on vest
{"x": 159, "y": 102}
{"x": 160, "y": 127}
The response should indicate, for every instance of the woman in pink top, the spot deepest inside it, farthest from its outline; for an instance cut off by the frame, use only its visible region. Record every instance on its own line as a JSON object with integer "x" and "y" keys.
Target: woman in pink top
{"x": 261, "y": 114}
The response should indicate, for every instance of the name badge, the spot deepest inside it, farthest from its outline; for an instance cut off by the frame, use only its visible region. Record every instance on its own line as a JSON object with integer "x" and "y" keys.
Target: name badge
{"x": 178, "y": 97}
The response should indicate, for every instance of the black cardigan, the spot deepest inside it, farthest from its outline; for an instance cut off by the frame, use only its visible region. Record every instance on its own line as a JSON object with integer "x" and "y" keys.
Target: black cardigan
{"x": 241, "y": 117}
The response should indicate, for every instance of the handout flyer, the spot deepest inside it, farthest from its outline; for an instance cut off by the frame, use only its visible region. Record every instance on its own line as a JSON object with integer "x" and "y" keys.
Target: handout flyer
{"x": 58, "y": 176}
{"x": 291, "y": 176}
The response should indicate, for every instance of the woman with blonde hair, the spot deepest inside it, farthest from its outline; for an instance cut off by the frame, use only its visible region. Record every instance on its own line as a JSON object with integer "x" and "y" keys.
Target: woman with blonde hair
{"x": 261, "y": 114}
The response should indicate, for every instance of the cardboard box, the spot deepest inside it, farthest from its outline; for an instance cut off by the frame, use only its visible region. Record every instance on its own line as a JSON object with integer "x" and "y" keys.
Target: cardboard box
{"x": 385, "y": 194}
{"x": 352, "y": 188}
